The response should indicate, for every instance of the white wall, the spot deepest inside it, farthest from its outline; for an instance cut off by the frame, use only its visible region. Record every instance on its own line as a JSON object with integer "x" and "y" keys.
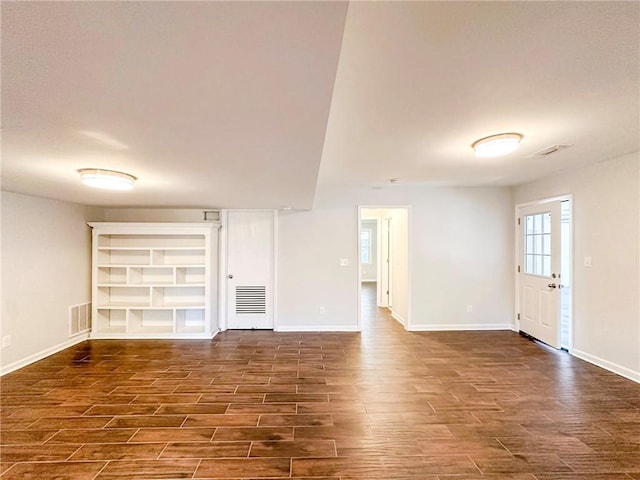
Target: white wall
{"x": 46, "y": 268}
{"x": 461, "y": 247}
{"x": 462, "y": 256}
{"x": 310, "y": 246}
{"x": 461, "y": 250}
{"x": 606, "y": 219}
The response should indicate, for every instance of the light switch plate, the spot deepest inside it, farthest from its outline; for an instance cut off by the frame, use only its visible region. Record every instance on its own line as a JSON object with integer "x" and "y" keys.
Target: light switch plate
{"x": 344, "y": 262}
{"x": 587, "y": 262}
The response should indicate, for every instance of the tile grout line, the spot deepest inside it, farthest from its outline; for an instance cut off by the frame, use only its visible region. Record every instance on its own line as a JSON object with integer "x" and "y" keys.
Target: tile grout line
{"x": 193, "y": 475}
{"x": 101, "y": 470}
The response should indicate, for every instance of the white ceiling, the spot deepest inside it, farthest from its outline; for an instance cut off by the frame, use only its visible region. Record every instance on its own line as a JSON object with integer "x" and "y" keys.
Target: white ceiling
{"x": 266, "y": 104}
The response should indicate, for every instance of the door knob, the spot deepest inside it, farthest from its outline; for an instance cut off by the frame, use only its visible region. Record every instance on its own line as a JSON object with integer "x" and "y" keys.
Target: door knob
{"x": 230, "y": 275}
{"x": 552, "y": 285}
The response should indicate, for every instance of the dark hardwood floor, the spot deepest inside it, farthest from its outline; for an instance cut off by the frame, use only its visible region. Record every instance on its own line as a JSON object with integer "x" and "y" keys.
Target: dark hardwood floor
{"x": 383, "y": 404}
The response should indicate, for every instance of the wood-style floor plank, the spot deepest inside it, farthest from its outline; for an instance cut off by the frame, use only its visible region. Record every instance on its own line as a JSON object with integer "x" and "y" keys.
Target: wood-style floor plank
{"x": 381, "y": 404}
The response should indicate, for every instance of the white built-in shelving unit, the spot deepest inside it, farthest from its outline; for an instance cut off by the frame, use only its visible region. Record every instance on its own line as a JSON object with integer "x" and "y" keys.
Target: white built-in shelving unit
{"x": 154, "y": 280}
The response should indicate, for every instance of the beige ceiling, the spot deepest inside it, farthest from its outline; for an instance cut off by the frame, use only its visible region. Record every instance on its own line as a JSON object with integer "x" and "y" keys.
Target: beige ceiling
{"x": 268, "y": 104}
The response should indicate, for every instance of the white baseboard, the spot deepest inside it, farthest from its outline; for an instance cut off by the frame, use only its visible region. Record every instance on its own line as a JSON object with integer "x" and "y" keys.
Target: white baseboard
{"x": 369, "y": 281}
{"x": 607, "y": 365}
{"x": 461, "y": 327}
{"x": 400, "y": 320}
{"x": 43, "y": 354}
{"x": 317, "y": 328}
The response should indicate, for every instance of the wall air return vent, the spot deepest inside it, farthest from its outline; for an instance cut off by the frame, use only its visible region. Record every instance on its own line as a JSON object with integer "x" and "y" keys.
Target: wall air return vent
{"x": 79, "y": 319}
{"x": 211, "y": 215}
{"x": 550, "y": 150}
{"x": 251, "y": 300}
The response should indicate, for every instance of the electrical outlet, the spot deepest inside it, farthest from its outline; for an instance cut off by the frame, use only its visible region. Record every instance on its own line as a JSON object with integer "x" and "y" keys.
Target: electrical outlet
{"x": 469, "y": 308}
{"x": 6, "y": 341}
{"x": 322, "y": 311}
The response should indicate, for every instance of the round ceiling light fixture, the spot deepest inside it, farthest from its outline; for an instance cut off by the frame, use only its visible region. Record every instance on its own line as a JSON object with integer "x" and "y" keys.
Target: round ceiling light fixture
{"x": 107, "y": 179}
{"x": 496, "y": 145}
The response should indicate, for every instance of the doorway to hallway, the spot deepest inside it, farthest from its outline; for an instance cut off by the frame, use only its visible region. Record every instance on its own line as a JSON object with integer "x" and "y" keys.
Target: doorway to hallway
{"x": 384, "y": 261}
{"x": 376, "y": 320}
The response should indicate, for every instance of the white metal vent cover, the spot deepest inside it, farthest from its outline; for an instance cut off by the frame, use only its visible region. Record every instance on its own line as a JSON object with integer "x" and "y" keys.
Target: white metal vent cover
{"x": 211, "y": 215}
{"x": 251, "y": 299}
{"x": 549, "y": 150}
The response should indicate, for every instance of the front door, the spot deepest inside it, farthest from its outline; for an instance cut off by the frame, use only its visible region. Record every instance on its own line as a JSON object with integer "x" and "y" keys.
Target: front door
{"x": 539, "y": 271}
{"x": 250, "y": 269}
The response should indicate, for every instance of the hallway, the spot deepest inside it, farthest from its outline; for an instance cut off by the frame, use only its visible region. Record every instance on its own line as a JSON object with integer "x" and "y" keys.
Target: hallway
{"x": 381, "y": 404}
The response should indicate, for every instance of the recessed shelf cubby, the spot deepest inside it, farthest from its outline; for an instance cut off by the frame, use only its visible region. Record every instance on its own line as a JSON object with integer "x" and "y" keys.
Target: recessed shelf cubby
{"x": 190, "y": 275}
{"x": 112, "y": 275}
{"x": 151, "y": 275}
{"x": 111, "y": 320}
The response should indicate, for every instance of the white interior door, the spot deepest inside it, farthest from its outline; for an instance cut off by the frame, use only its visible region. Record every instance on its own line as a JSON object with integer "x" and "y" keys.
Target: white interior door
{"x": 539, "y": 272}
{"x": 250, "y": 269}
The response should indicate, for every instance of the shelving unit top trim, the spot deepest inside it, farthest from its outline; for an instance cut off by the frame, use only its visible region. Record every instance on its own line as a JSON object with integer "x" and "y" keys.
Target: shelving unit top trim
{"x": 130, "y": 306}
{"x": 187, "y": 247}
{"x": 149, "y": 227}
{"x": 145, "y": 265}
{"x": 152, "y": 284}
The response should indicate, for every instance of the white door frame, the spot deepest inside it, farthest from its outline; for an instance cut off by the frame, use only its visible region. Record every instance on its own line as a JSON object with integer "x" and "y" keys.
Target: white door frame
{"x": 222, "y": 271}
{"x": 407, "y": 325}
{"x": 383, "y": 294}
{"x": 518, "y": 253}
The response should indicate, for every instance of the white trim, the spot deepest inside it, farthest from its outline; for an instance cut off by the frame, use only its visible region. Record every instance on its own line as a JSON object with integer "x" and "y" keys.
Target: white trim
{"x": 359, "y": 269}
{"x": 607, "y": 365}
{"x": 159, "y": 225}
{"x": 561, "y": 198}
{"x": 459, "y": 327}
{"x": 368, "y": 281}
{"x": 43, "y": 354}
{"x": 399, "y": 319}
{"x": 318, "y": 328}
{"x": 222, "y": 272}
{"x": 274, "y": 286}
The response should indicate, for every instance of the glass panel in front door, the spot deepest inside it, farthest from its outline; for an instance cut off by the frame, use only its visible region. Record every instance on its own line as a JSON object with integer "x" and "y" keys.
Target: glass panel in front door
{"x": 537, "y": 244}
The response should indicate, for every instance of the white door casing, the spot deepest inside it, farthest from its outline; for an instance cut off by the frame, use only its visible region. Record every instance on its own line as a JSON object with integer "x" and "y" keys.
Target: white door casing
{"x": 250, "y": 269}
{"x": 384, "y": 287}
{"x": 539, "y": 271}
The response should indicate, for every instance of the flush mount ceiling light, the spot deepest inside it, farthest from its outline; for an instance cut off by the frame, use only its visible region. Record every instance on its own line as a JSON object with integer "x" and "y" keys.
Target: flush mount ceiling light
{"x": 107, "y": 179}
{"x": 496, "y": 145}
